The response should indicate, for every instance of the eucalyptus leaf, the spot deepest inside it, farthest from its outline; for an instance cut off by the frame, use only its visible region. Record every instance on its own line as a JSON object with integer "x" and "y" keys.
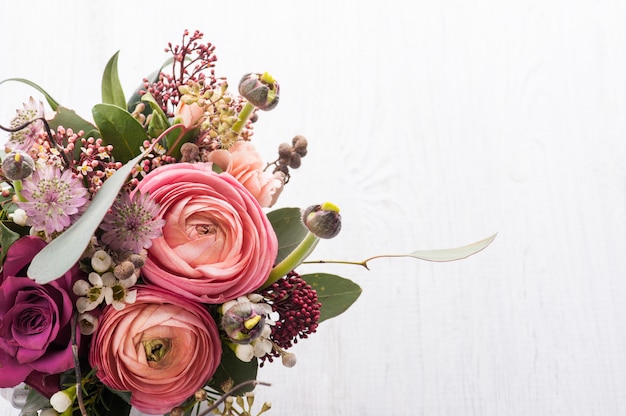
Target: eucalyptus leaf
{"x": 335, "y": 293}
{"x": 64, "y": 251}
{"x": 51, "y": 101}
{"x": 287, "y": 224}
{"x": 34, "y": 402}
{"x": 112, "y": 92}
{"x": 452, "y": 254}
{"x": 120, "y": 129}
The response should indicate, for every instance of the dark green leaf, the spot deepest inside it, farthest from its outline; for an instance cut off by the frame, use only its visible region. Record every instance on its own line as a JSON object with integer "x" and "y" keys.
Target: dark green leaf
{"x": 335, "y": 293}
{"x": 7, "y": 237}
{"x": 70, "y": 120}
{"x": 120, "y": 129}
{"x": 64, "y": 251}
{"x": 232, "y": 368}
{"x": 287, "y": 224}
{"x": 112, "y": 92}
{"x": 51, "y": 101}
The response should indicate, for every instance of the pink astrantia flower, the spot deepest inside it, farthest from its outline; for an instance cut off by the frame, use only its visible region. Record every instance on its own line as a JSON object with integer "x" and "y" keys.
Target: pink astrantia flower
{"x": 24, "y": 139}
{"x": 131, "y": 223}
{"x": 53, "y": 199}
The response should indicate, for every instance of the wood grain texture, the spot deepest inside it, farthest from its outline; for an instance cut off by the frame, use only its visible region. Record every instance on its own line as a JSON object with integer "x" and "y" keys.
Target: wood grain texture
{"x": 431, "y": 124}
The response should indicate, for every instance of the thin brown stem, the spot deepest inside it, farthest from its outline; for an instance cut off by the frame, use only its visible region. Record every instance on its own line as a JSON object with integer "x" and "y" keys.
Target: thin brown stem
{"x": 77, "y": 372}
{"x": 229, "y": 393}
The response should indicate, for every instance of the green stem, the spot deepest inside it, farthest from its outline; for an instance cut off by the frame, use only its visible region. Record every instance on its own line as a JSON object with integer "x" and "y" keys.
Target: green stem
{"x": 17, "y": 186}
{"x": 301, "y": 252}
{"x": 244, "y": 115}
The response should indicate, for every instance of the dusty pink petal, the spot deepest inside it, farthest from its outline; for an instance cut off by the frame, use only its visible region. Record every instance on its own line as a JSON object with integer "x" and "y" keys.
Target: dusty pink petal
{"x": 217, "y": 243}
{"x": 157, "y": 386}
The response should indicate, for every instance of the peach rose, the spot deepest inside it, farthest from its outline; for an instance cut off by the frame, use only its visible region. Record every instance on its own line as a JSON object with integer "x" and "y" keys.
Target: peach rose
{"x": 217, "y": 243}
{"x": 243, "y": 162}
{"x": 162, "y": 349}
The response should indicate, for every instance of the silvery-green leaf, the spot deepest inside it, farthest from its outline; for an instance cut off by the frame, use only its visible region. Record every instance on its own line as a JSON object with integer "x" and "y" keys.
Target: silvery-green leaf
{"x": 451, "y": 254}
{"x": 64, "y": 251}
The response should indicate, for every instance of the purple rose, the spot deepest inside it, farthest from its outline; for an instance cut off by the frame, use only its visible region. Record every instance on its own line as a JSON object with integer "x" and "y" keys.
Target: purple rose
{"x": 35, "y": 333}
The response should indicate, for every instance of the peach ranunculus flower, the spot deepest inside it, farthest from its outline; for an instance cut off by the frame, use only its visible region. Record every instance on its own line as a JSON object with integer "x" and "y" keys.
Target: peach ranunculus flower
{"x": 217, "y": 243}
{"x": 190, "y": 115}
{"x": 244, "y": 162}
{"x": 162, "y": 349}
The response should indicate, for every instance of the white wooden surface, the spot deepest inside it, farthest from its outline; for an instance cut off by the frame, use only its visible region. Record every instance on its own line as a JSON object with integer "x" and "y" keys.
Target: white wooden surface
{"x": 432, "y": 124}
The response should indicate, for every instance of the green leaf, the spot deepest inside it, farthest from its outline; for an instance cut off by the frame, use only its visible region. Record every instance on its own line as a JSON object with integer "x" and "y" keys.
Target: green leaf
{"x": 120, "y": 129}
{"x": 64, "y": 251}
{"x": 7, "y": 237}
{"x": 232, "y": 368}
{"x": 159, "y": 122}
{"x": 70, "y": 120}
{"x": 452, "y": 254}
{"x": 287, "y": 224}
{"x": 335, "y": 293}
{"x": 51, "y": 101}
{"x": 34, "y": 402}
{"x": 112, "y": 92}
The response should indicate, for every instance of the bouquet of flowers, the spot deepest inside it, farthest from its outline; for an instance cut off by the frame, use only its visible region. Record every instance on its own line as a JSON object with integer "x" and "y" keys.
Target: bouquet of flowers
{"x": 141, "y": 266}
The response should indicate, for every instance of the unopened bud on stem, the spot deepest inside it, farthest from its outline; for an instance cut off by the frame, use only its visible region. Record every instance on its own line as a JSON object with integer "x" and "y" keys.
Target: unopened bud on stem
{"x": 322, "y": 220}
{"x": 18, "y": 165}
{"x": 261, "y": 90}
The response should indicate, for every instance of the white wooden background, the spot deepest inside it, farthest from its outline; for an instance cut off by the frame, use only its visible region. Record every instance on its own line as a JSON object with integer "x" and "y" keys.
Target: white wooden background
{"x": 432, "y": 124}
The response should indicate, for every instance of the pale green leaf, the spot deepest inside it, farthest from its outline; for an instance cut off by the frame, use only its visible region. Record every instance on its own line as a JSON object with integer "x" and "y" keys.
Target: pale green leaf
{"x": 112, "y": 92}
{"x": 51, "y": 101}
{"x": 64, "y": 251}
{"x": 335, "y": 293}
{"x": 452, "y": 254}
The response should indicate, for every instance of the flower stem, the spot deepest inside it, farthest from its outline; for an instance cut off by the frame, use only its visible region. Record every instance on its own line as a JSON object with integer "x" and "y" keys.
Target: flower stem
{"x": 79, "y": 381}
{"x": 244, "y": 115}
{"x": 17, "y": 186}
{"x": 296, "y": 257}
{"x": 229, "y": 393}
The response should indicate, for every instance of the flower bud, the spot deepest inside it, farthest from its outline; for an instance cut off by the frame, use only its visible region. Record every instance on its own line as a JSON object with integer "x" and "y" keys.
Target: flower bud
{"x": 18, "y": 165}
{"x": 19, "y": 216}
{"x": 288, "y": 359}
{"x": 101, "y": 261}
{"x": 244, "y": 321}
{"x": 124, "y": 270}
{"x": 322, "y": 220}
{"x": 261, "y": 90}
{"x": 62, "y": 400}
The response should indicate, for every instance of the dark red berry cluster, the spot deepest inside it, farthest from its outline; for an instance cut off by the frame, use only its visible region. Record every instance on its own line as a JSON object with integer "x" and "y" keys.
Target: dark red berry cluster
{"x": 298, "y": 308}
{"x": 191, "y": 62}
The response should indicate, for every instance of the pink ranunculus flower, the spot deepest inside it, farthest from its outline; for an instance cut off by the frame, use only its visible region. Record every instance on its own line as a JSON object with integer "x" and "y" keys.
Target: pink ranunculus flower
{"x": 244, "y": 162}
{"x": 162, "y": 349}
{"x": 35, "y": 331}
{"x": 217, "y": 243}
